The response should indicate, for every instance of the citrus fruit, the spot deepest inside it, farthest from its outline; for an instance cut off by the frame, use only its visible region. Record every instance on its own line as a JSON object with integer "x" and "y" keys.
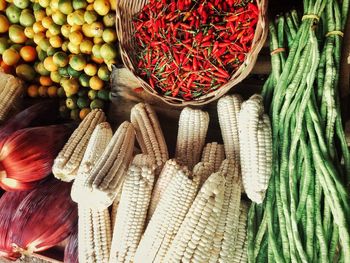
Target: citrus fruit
{"x": 26, "y": 18}
{"x": 49, "y": 65}
{"x": 77, "y": 62}
{"x": 103, "y": 94}
{"x": 60, "y": 59}
{"x": 2, "y": 5}
{"x": 96, "y": 104}
{"x": 56, "y": 41}
{"x": 54, "y": 5}
{"x": 54, "y": 29}
{"x": 52, "y": 91}
{"x": 36, "y": 6}
{"x": 51, "y": 51}
{"x": 42, "y": 91}
{"x": 75, "y": 28}
{"x": 73, "y": 48}
{"x": 6, "y": 68}
{"x": 102, "y": 7}
{"x": 13, "y": 13}
{"x": 96, "y": 29}
{"x": 46, "y": 22}
{"x": 109, "y": 35}
{"x": 98, "y": 40}
{"x": 113, "y": 4}
{"x": 65, "y": 46}
{"x": 108, "y": 52}
{"x": 44, "y": 3}
{"x": 90, "y": 69}
{"x": 17, "y": 47}
{"x": 90, "y": 7}
{"x": 74, "y": 114}
{"x": 76, "y": 37}
{"x": 71, "y": 103}
{"x": 103, "y": 73}
{"x": 71, "y": 86}
{"x": 38, "y": 37}
{"x": 39, "y": 14}
{"x": 96, "y": 51}
{"x": 39, "y": 68}
{"x": 97, "y": 60}
{"x": 61, "y": 93}
{"x": 79, "y": 4}
{"x": 72, "y": 72}
{"x": 86, "y": 46}
{"x": 45, "y": 80}
{"x": 86, "y": 28}
{"x": 83, "y": 113}
{"x": 90, "y": 16}
{"x": 65, "y": 30}
{"x": 63, "y": 72}
{"x": 44, "y": 44}
{"x": 55, "y": 76}
{"x": 25, "y": 72}
{"x": 3, "y": 44}
{"x": 29, "y": 32}
{"x": 10, "y": 56}
{"x": 96, "y": 83}
{"x": 38, "y": 27}
{"x": 92, "y": 94}
{"x": 59, "y": 18}
{"x": 16, "y": 34}
{"x": 65, "y": 6}
{"x": 22, "y": 4}
{"x": 33, "y": 91}
{"x": 83, "y": 102}
{"x": 84, "y": 80}
{"x": 109, "y": 20}
{"x": 28, "y": 53}
{"x": 41, "y": 54}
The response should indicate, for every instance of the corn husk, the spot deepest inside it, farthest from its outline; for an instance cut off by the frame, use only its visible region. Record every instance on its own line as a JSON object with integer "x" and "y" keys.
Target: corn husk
{"x": 44, "y": 218}
{"x": 27, "y": 155}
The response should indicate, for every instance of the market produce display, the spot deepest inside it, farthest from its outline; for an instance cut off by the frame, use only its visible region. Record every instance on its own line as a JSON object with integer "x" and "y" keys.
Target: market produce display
{"x": 61, "y": 48}
{"x": 305, "y": 217}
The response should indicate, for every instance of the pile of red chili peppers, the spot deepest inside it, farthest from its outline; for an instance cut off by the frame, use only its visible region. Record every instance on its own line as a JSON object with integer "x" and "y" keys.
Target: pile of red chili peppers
{"x": 189, "y": 48}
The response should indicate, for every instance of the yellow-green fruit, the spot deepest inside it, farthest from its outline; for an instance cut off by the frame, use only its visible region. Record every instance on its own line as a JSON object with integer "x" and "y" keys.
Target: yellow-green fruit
{"x": 77, "y": 62}
{"x": 109, "y": 20}
{"x": 22, "y": 4}
{"x": 109, "y": 35}
{"x": 65, "y": 30}
{"x": 13, "y": 14}
{"x": 102, "y": 7}
{"x": 65, "y": 6}
{"x": 26, "y": 72}
{"x": 96, "y": 29}
{"x": 60, "y": 59}
{"x": 86, "y": 46}
{"x": 55, "y": 76}
{"x": 108, "y": 52}
{"x": 26, "y": 18}
{"x": 59, "y": 18}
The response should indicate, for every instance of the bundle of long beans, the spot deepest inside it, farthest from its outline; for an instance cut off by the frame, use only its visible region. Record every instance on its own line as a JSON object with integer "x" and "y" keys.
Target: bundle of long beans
{"x": 305, "y": 217}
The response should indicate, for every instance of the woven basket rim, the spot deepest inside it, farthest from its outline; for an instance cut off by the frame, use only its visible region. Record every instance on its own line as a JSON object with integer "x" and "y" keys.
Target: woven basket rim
{"x": 126, "y": 9}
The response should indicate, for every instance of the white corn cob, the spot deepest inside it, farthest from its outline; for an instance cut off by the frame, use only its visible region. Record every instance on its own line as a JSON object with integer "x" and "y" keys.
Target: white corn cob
{"x": 132, "y": 209}
{"x": 11, "y": 89}
{"x": 203, "y": 170}
{"x": 167, "y": 218}
{"x": 193, "y": 241}
{"x": 256, "y": 148}
{"x": 94, "y": 230}
{"x": 240, "y": 247}
{"x": 193, "y": 127}
{"x": 99, "y": 140}
{"x": 107, "y": 176}
{"x": 228, "y": 110}
{"x": 169, "y": 170}
{"x": 67, "y": 162}
{"x": 149, "y": 133}
{"x": 228, "y": 223}
{"x": 214, "y": 153}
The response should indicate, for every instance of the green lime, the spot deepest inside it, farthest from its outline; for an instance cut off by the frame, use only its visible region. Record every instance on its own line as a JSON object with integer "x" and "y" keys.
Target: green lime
{"x": 83, "y": 102}
{"x": 71, "y": 102}
{"x": 61, "y": 93}
{"x": 64, "y": 112}
{"x": 60, "y": 59}
{"x": 25, "y": 72}
{"x": 63, "y": 72}
{"x": 96, "y": 104}
{"x": 74, "y": 114}
{"x": 83, "y": 92}
{"x": 22, "y": 4}
{"x": 41, "y": 54}
{"x": 3, "y": 44}
{"x": 13, "y": 14}
{"x": 84, "y": 80}
{"x": 39, "y": 68}
{"x": 109, "y": 20}
{"x": 72, "y": 72}
{"x": 104, "y": 73}
{"x": 92, "y": 94}
{"x": 103, "y": 94}
{"x": 79, "y": 4}
{"x": 26, "y": 18}
{"x": 36, "y": 7}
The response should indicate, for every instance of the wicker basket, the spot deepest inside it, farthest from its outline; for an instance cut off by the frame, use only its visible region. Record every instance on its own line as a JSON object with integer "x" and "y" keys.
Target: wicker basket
{"x": 125, "y": 11}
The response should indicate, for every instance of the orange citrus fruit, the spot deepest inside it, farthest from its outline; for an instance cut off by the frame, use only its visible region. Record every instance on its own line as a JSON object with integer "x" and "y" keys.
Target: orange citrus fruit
{"x": 4, "y": 24}
{"x": 96, "y": 83}
{"x": 52, "y": 91}
{"x": 45, "y": 80}
{"x": 2, "y": 5}
{"x": 10, "y": 57}
{"x": 102, "y": 7}
{"x": 76, "y": 37}
{"x": 42, "y": 91}
{"x": 49, "y": 64}
{"x": 28, "y": 53}
{"x": 56, "y": 41}
{"x": 33, "y": 91}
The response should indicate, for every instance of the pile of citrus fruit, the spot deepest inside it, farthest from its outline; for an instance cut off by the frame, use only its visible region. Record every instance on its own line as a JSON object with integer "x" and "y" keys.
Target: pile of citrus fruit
{"x": 63, "y": 48}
